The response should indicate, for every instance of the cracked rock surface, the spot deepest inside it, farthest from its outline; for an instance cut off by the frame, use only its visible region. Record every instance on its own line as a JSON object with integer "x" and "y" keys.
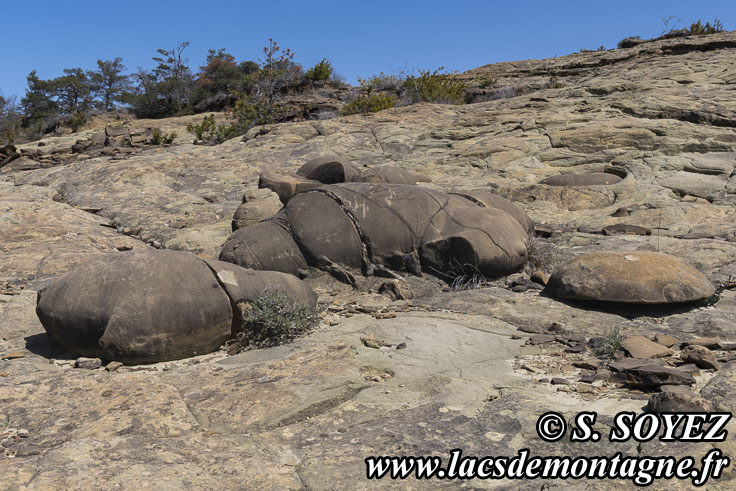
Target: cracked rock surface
{"x": 660, "y": 115}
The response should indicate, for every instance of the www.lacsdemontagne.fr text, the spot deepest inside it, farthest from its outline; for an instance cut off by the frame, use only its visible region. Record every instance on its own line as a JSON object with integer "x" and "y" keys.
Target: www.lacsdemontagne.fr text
{"x": 642, "y": 471}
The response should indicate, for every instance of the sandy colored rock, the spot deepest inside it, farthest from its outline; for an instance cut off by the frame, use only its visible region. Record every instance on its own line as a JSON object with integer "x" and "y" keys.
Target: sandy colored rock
{"x": 592, "y": 179}
{"x": 253, "y": 212}
{"x": 641, "y": 347}
{"x": 678, "y": 402}
{"x": 137, "y": 307}
{"x": 654, "y": 374}
{"x": 710, "y": 343}
{"x": 701, "y": 356}
{"x": 636, "y": 277}
{"x": 665, "y": 340}
{"x": 285, "y": 185}
{"x": 390, "y": 174}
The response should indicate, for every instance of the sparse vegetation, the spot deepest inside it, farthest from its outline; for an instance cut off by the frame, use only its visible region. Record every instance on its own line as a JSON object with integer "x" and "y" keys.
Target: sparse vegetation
{"x": 553, "y": 83}
{"x": 433, "y": 86}
{"x": 320, "y": 71}
{"x": 610, "y": 344}
{"x": 10, "y": 120}
{"x": 208, "y": 132}
{"x": 463, "y": 276}
{"x": 696, "y": 29}
{"x": 369, "y": 103}
{"x": 160, "y": 138}
{"x": 273, "y": 319}
{"x": 487, "y": 82}
{"x": 543, "y": 255}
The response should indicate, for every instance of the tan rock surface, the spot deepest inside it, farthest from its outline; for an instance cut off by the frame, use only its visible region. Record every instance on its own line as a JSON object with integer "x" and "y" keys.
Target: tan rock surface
{"x": 305, "y": 415}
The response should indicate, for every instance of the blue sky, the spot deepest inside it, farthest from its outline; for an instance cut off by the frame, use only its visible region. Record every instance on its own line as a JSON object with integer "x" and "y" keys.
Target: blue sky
{"x": 359, "y": 38}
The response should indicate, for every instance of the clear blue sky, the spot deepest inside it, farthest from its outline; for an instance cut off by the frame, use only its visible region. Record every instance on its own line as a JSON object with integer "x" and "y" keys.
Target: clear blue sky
{"x": 359, "y": 38}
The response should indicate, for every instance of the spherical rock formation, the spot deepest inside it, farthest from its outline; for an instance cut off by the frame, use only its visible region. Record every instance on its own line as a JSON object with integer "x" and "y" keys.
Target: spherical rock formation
{"x": 154, "y": 305}
{"x": 629, "y": 277}
{"x": 367, "y": 226}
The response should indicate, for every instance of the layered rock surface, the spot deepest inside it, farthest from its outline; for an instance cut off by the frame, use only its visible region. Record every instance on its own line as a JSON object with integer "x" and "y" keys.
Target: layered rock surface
{"x": 661, "y": 114}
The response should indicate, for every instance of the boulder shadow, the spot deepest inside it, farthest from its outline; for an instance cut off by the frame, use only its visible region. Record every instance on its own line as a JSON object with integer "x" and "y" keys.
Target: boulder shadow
{"x": 628, "y": 310}
{"x": 44, "y": 345}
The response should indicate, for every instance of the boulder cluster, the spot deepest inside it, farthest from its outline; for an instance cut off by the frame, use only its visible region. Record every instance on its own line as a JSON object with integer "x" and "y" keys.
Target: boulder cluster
{"x": 151, "y": 306}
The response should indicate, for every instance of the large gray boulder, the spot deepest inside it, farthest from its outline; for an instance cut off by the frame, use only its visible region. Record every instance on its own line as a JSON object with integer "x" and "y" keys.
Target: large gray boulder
{"x": 375, "y": 226}
{"x": 629, "y": 277}
{"x": 154, "y": 305}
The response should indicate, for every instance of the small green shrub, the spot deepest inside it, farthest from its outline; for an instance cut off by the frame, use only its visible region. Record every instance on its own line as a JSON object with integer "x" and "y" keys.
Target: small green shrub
{"x": 369, "y": 103}
{"x": 434, "y": 86}
{"x": 250, "y": 112}
{"x": 208, "y": 132}
{"x": 610, "y": 344}
{"x": 160, "y": 138}
{"x": 698, "y": 29}
{"x": 320, "y": 71}
{"x": 383, "y": 81}
{"x": 487, "y": 82}
{"x": 77, "y": 121}
{"x": 273, "y": 319}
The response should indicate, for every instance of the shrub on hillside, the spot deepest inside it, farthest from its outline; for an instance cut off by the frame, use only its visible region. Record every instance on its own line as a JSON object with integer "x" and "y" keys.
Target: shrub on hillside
{"x": 161, "y": 138}
{"x": 369, "y": 103}
{"x": 434, "y": 86}
{"x": 208, "y": 132}
{"x": 695, "y": 29}
{"x": 320, "y": 71}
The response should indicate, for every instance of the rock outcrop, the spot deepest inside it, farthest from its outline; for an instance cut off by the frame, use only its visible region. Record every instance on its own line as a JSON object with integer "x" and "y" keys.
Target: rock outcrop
{"x": 152, "y": 306}
{"x": 635, "y": 277}
{"x": 306, "y": 415}
{"x": 368, "y": 226}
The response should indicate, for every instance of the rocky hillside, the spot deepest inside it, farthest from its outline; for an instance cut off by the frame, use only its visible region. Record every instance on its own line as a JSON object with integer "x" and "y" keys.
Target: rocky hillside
{"x": 476, "y": 368}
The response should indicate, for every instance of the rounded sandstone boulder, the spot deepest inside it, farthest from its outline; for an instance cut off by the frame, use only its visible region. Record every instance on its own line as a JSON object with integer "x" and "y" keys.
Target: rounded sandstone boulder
{"x": 362, "y": 226}
{"x": 153, "y": 305}
{"x": 629, "y": 277}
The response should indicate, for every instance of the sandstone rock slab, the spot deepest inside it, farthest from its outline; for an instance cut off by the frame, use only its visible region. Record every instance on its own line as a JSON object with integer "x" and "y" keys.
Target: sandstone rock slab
{"x": 634, "y": 277}
{"x": 641, "y": 347}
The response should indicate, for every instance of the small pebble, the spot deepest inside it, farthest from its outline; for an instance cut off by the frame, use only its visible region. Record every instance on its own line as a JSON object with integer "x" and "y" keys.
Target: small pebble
{"x": 113, "y": 365}
{"x": 88, "y": 363}
{"x": 13, "y": 355}
{"x": 559, "y": 381}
